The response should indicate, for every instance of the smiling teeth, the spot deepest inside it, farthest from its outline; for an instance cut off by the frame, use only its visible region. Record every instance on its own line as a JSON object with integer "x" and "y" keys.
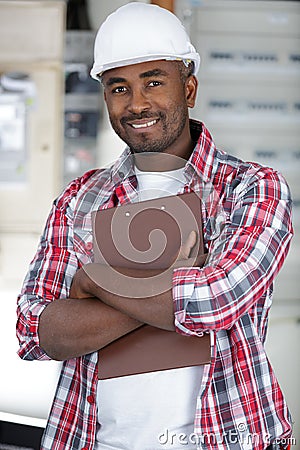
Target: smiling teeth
{"x": 144, "y": 125}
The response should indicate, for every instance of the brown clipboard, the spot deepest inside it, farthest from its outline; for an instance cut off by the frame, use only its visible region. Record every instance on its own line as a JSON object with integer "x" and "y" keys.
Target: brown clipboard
{"x": 133, "y": 235}
{"x": 149, "y": 349}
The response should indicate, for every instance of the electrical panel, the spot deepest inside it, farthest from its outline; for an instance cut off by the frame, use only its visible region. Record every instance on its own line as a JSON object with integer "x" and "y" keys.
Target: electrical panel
{"x": 82, "y": 105}
{"x": 249, "y": 97}
{"x": 31, "y": 118}
{"x": 31, "y": 48}
{"x": 249, "y": 91}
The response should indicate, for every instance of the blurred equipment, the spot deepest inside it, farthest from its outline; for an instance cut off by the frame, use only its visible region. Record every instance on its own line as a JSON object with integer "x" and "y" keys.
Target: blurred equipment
{"x": 31, "y": 104}
{"x": 77, "y": 15}
{"x": 168, "y": 4}
{"x": 31, "y": 38}
{"x": 249, "y": 90}
{"x": 17, "y": 96}
{"x": 82, "y": 106}
{"x": 82, "y": 94}
{"x": 249, "y": 97}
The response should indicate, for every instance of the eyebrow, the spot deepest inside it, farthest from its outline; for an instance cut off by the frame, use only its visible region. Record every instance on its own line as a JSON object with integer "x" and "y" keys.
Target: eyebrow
{"x": 153, "y": 73}
{"x": 148, "y": 74}
{"x": 115, "y": 80}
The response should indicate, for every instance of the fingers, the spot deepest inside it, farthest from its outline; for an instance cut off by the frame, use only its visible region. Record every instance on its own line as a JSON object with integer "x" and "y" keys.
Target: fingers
{"x": 186, "y": 248}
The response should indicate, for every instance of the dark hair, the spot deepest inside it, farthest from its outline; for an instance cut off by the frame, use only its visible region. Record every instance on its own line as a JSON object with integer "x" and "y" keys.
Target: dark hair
{"x": 186, "y": 70}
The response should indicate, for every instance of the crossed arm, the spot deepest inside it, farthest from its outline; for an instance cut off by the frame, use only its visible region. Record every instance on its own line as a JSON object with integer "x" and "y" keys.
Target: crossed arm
{"x": 94, "y": 316}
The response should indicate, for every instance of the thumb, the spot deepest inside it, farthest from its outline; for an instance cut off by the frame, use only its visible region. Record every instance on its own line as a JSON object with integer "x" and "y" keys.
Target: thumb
{"x": 186, "y": 248}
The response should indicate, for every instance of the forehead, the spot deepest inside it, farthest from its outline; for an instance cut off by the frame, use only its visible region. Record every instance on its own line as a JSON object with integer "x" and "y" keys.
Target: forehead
{"x": 142, "y": 70}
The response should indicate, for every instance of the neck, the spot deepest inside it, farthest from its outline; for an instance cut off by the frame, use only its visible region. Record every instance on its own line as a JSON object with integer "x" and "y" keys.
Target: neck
{"x": 183, "y": 147}
{"x": 158, "y": 162}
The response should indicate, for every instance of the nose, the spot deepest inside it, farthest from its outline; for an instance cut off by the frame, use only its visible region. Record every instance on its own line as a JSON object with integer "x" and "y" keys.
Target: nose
{"x": 139, "y": 101}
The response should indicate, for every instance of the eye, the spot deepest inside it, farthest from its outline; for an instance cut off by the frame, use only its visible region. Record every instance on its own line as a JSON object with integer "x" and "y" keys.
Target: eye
{"x": 119, "y": 90}
{"x": 154, "y": 83}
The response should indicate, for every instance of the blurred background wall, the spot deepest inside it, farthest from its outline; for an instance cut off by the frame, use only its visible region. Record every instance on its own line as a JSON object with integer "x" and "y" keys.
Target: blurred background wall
{"x": 54, "y": 127}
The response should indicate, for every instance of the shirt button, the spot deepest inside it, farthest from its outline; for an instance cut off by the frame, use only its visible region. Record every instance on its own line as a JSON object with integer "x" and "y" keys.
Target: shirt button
{"x": 91, "y": 399}
{"x": 89, "y": 245}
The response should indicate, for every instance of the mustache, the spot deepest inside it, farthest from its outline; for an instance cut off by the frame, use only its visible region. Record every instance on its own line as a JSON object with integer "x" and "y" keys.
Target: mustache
{"x": 142, "y": 115}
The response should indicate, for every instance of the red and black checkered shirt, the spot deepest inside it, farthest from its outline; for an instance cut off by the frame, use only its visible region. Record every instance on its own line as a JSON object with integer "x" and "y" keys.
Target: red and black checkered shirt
{"x": 247, "y": 232}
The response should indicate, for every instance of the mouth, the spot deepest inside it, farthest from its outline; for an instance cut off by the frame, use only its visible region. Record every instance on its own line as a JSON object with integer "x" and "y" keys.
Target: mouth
{"x": 137, "y": 125}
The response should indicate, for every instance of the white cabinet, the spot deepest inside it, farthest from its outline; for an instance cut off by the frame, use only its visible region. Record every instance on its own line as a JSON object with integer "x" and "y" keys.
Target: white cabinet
{"x": 31, "y": 120}
{"x": 283, "y": 351}
{"x": 249, "y": 91}
{"x": 31, "y": 44}
{"x": 249, "y": 97}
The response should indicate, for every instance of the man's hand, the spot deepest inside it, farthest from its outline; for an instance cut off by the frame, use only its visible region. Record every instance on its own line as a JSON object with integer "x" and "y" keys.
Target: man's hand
{"x": 134, "y": 283}
{"x": 80, "y": 285}
{"x": 144, "y": 294}
{"x": 186, "y": 248}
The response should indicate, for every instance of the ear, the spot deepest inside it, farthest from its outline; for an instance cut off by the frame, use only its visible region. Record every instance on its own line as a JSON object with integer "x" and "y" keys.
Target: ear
{"x": 191, "y": 87}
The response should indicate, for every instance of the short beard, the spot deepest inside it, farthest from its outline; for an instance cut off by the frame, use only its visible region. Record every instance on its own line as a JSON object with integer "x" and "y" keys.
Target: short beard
{"x": 144, "y": 145}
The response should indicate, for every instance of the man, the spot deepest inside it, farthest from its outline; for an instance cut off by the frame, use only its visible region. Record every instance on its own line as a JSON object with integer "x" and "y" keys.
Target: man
{"x": 147, "y": 66}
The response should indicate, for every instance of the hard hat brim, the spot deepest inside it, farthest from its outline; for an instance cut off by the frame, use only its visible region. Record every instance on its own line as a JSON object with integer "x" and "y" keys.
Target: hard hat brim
{"x": 98, "y": 70}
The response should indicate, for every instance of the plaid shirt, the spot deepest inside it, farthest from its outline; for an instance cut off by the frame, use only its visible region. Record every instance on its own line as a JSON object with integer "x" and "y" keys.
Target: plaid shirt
{"x": 247, "y": 231}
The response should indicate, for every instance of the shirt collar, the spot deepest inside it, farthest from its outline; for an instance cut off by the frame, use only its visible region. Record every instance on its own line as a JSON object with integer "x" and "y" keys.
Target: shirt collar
{"x": 200, "y": 162}
{"x": 123, "y": 167}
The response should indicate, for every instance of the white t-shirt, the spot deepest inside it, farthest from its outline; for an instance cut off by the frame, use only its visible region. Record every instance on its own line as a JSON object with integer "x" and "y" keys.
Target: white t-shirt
{"x": 156, "y": 410}
{"x": 159, "y": 184}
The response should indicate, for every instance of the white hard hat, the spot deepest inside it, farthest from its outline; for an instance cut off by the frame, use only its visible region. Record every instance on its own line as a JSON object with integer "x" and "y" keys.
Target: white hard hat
{"x": 140, "y": 32}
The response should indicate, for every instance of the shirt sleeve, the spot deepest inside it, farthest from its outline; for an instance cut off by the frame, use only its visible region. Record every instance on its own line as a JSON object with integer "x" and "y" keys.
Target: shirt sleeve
{"x": 256, "y": 239}
{"x": 49, "y": 276}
